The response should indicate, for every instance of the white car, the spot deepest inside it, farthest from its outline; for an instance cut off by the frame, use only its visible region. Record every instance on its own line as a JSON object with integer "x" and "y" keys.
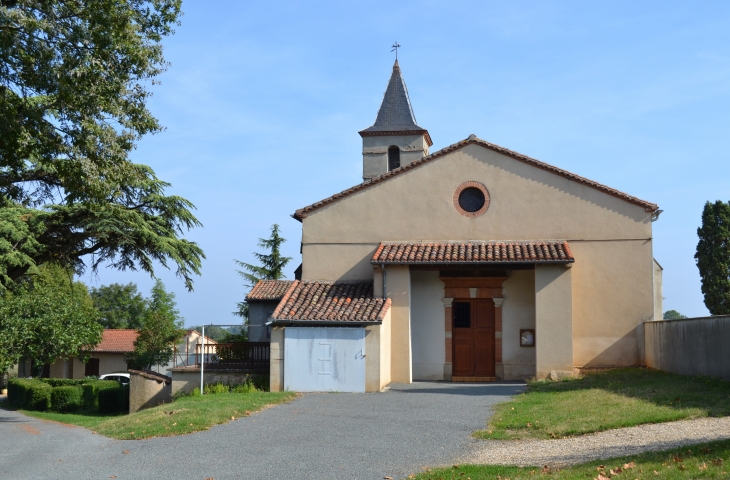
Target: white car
{"x": 122, "y": 378}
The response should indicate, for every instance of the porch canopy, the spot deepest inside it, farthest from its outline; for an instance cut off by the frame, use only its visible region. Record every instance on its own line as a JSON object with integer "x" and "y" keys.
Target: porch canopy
{"x": 474, "y": 253}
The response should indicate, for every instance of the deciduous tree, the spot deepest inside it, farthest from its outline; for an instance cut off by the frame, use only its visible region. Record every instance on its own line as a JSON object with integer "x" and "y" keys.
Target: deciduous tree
{"x": 119, "y": 306}
{"x": 713, "y": 256}
{"x": 161, "y": 329}
{"x": 48, "y": 317}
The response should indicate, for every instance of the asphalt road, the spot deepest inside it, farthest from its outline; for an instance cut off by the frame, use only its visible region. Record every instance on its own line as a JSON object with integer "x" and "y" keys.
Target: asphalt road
{"x": 318, "y": 436}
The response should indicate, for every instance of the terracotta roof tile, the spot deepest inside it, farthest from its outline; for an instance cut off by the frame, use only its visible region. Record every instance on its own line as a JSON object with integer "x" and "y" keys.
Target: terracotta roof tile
{"x": 473, "y": 253}
{"x": 648, "y": 206}
{"x": 117, "y": 340}
{"x": 331, "y": 302}
{"x": 269, "y": 290}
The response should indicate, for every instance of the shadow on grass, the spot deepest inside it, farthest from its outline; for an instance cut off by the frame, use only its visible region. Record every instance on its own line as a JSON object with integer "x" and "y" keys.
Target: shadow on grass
{"x": 660, "y": 388}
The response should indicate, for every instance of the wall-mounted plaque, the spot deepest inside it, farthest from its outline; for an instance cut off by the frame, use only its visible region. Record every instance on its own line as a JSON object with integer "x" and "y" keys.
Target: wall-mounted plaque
{"x": 527, "y": 337}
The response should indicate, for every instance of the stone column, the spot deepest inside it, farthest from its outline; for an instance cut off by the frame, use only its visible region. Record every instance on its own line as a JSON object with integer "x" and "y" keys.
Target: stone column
{"x": 276, "y": 360}
{"x": 398, "y": 285}
{"x": 447, "y": 336}
{"x": 553, "y": 321}
{"x": 498, "y": 367}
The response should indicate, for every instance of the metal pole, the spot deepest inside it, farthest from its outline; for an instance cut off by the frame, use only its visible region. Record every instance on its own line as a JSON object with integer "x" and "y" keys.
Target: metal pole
{"x": 202, "y": 361}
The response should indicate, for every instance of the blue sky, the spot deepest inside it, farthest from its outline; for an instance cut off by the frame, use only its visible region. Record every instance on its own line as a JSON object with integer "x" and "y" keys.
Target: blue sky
{"x": 263, "y": 102}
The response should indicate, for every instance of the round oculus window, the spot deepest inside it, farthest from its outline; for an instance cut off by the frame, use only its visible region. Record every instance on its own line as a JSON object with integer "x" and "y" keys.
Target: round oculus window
{"x": 471, "y": 199}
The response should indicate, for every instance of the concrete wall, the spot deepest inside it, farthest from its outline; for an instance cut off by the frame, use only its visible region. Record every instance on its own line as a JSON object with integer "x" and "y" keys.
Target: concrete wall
{"x": 658, "y": 292}
{"x": 693, "y": 346}
{"x": 258, "y": 314}
{"x": 188, "y": 379}
{"x": 553, "y": 321}
{"x": 145, "y": 392}
{"x": 375, "y": 152}
{"x": 427, "y": 325}
{"x": 518, "y": 312}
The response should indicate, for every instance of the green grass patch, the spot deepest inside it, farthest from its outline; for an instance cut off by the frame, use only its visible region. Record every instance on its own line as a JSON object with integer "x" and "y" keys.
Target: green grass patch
{"x": 185, "y": 415}
{"x": 711, "y": 460}
{"x": 602, "y": 401}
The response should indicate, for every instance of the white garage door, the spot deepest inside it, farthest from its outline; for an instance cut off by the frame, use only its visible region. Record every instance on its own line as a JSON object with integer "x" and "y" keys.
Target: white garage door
{"x": 318, "y": 359}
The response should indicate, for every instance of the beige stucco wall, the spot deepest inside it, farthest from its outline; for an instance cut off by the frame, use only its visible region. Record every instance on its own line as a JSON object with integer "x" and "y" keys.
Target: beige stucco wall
{"x": 518, "y": 311}
{"x": 375, "y": 152}
{"x": 427, "y": 325}
{"x": 553, "y": 320}
{"x": 658, "y": 292}
{"x": 613, "y": 285}
{"x": 399, "y": 291}
{"x": 612, "y": 296}
{"x": 276, "y": 358}
{"x": 74, "y": 368}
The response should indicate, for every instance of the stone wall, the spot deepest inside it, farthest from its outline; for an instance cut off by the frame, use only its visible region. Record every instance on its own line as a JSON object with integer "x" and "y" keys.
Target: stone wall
{"x": 186, "y": 380}
{"x": 692, "y": 346}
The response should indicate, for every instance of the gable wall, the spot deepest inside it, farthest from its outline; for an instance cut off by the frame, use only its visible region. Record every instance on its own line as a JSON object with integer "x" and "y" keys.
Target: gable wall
{"x": 610, "y": 238}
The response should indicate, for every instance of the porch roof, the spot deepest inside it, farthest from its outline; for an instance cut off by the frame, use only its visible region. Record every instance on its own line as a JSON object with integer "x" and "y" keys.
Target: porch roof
{"x": 330, "y": 302}
{"x": 473, "y": 253}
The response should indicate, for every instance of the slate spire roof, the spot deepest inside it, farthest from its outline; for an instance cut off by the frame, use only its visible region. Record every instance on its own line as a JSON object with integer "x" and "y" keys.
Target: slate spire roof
{"x": 396, "y": 112}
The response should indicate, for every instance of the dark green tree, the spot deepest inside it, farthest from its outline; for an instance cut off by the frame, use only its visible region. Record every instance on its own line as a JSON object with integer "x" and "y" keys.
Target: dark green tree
{"x": 161, "y": 329}
{"x": 120, "y": 306}
{"x": 75, "y": 79}
{"x": 673, "y": 315}
{"x": 713, "y": 256}
{"x": 271, "y": 268}
{"x": 45, "y": 318}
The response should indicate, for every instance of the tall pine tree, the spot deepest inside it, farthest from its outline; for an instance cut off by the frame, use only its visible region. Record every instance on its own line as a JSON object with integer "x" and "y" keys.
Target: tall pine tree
{"x": 271, "y": 268}
{"x": 713, "y": 256}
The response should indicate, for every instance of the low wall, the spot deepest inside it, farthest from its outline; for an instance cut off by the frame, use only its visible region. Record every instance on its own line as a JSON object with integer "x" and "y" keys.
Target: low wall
{"x": 692, "y": 346}
{"x": 148, "y": 389}
{"x": 187, "y": 379}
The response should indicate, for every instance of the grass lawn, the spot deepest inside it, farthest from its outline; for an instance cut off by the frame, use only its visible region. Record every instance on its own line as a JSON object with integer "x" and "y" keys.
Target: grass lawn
{"x": 601, "y": 401}
{"x": 710, "y": 460}
{"x": 185, "y": 415}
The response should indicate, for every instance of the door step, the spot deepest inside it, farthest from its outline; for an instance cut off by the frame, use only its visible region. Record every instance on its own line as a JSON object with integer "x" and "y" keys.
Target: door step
{"x": 473, "y": 379}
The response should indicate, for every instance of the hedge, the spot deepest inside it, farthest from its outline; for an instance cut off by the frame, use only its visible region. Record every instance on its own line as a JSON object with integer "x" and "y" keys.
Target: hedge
{"x": 29, "y": 393}
{"x": 91, "y": 389}
{"x": 66, "y": 398}
{"x": 114, "y": 400}
{"x": 63, "y": 382}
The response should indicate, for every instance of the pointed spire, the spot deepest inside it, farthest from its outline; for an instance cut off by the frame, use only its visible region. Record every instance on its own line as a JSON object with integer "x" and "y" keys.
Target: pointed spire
{"x": 396, "y": 110}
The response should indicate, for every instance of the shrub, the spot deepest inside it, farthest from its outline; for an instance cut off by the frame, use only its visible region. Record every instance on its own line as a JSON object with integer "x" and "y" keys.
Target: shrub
{"x": 247, "y": 387}
{"x": 216, "y": 388}
{"x": 29, "y": 393}
{"x": 66, "y": 398}
{"x": 114, "y": 400}
{"x": 91, "y": 389}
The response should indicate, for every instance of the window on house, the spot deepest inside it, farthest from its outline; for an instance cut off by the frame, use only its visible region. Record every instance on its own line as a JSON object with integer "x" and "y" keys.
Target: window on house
{"x": 393, "y": 157}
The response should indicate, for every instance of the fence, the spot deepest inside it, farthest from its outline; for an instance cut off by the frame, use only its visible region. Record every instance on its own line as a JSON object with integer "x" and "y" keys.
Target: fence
{"x": 248, "y": 356}
{"x": 692, "y": 346}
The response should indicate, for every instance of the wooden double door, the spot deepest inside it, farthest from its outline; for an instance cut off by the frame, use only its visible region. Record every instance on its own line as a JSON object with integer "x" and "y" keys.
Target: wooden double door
{"x": 472, "y": 339}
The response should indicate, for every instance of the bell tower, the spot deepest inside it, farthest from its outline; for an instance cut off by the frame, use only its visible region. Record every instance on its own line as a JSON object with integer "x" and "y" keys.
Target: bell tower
{"x": 395, "y": 139}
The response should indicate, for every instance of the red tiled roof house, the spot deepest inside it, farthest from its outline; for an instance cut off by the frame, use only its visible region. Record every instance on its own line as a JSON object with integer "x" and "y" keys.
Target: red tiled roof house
{"x": 106, "y": 357}
{"x": 472, "y": 263}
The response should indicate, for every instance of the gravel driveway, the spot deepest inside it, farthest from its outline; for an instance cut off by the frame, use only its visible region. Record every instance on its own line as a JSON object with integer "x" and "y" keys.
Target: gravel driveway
{"x": 323, "y": 435}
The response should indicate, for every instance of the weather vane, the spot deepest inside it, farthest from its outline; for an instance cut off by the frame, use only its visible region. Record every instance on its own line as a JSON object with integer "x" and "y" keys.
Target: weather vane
{"x": 395, "y": 48}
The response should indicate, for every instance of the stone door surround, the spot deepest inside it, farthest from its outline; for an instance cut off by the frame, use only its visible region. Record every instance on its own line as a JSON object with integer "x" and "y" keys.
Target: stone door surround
{"x": 473, "y": 287}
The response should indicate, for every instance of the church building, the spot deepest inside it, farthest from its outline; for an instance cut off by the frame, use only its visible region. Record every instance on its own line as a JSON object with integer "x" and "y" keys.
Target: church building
{"x": 471, "y": 263}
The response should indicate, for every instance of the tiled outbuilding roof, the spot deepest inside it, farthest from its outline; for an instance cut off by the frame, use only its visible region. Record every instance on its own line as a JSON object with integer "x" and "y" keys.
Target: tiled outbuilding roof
{"x": 117, "y": 341}
{"x": 269, "y": 290}
{"x": 473, "y": 140}
{"x": 331, "y": 302}
{"x": 473, "y": 253}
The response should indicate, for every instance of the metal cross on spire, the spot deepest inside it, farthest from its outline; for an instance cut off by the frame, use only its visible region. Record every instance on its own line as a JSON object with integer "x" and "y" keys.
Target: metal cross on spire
{"x": 394, "y": 48}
